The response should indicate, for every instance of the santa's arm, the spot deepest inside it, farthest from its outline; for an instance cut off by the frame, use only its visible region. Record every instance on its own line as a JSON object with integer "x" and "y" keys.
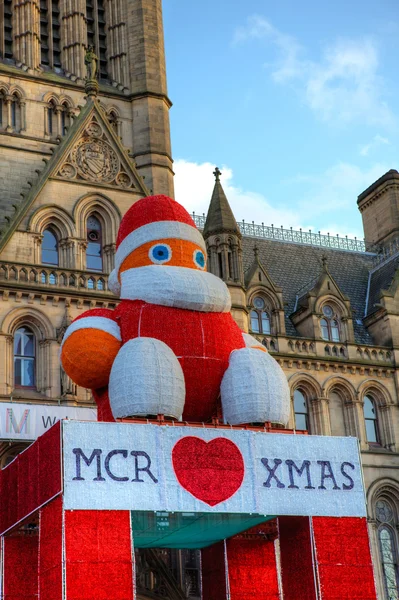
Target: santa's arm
{"x": 90, "y": 346}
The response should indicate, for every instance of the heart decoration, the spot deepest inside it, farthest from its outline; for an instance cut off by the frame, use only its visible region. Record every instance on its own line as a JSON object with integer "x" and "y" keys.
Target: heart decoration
{"x": 210, "y": 471}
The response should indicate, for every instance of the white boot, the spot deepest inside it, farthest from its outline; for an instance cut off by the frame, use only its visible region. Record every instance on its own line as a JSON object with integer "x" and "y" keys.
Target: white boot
{"x": 254, "y": 389}
{"x": 146, "y": 379}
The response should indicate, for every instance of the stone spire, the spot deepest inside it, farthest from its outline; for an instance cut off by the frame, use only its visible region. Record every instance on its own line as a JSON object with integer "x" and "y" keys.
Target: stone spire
{"x": 220, "y": 218}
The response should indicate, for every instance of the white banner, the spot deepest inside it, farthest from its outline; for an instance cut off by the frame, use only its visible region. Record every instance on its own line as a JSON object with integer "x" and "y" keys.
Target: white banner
{"x": 115, "y": 466}
{"x": 29, "y": 421}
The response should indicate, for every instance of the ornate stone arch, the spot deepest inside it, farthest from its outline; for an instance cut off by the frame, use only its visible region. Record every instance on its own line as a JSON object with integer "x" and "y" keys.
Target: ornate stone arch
{"x": 51, "y": 96}
{"x": 45, "y": 335}
{"x": 109, "y": 216}
{"x": 59, "y": 220}
{"x": 384, "y": 405}
{"x": 347, "y": 395}
{"x": 114, "y": 118}
{"x": 270, "y": 296}
{"x": 17, "y": 91}
{"x": 311, "y": 390}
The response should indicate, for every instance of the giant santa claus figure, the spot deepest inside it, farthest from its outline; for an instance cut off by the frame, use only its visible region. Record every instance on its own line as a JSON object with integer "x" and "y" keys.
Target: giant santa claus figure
{"x": 171, "y": 346}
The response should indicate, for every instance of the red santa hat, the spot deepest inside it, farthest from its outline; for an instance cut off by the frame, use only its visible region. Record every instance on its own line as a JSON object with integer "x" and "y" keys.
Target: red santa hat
{"x": 154, "y": 218}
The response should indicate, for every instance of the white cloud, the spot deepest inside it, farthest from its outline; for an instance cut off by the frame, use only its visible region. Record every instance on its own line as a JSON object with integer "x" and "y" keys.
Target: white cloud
{"x": 194, "y": 184}
{"x": 377, "y": 141}
{"x": 343, "y": 86}
{"x": 322, "y": 198}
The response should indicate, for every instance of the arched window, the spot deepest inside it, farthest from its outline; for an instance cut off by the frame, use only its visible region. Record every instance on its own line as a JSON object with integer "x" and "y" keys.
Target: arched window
{"x": 113, "y": 120}
{"x": 301, "y": 411}
{"x": 49, "y": 248}
{"x": 260, "y": 320}
{"x": 385, "y": 514}
{"x": 51, "y": 118}
{"x": 65, "y": 118}
{"x": 329, "y": 324}
{"x": 94, "y": 260}
{"x": 24, "y": 358}
{"x": 370, "y": 417}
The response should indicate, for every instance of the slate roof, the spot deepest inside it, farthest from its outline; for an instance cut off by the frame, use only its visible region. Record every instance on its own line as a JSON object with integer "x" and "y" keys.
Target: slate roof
{"x": 295, "y": 267}
{"x": 381, "y": 279}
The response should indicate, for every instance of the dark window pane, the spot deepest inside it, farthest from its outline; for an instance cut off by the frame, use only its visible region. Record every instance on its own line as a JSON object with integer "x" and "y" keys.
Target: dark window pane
{"x": 265, "y": 323}
{"x": 17, "y": 371}
{"x": 324, "y": 330}
{"x": 301, "y": 422}
{"x": 369, "y": 409}
{"x": 255, "y": 322}
{"x": 300, "y": 402}
{"x": 49, "y": 248}
{"x": 371, "y": 430}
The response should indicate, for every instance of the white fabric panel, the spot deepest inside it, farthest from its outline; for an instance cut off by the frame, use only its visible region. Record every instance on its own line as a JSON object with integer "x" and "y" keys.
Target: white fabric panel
{"x": 159, "y": 230}
{"x": 179, "y": 287}
{"x": 254, "y": 389}
{"x": 101, "y": 323}
{"x": 113, "y": 283}
{"x": 146, "y": 379}
{"x": 284, "y": 474}
{"x": 251, "y": 342}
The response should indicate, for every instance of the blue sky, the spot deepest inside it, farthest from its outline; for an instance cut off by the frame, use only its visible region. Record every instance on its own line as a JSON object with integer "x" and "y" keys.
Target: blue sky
{"x": 295, "y": 101}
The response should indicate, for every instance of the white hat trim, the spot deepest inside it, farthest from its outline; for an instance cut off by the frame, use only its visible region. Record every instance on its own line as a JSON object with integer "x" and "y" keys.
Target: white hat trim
{"x": 159, "y": 230}
{"x": 101, "y": 323}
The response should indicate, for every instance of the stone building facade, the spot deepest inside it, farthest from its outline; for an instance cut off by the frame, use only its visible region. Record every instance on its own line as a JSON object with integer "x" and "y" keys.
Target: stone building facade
{"x": 71, "y": 165}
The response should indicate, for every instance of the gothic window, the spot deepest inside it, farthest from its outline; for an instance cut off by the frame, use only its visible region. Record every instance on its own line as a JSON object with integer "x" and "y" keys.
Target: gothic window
{"x": 94, "y": 260}
{"x": 50, "y": 33}
{"x": 15, "y": 113}
{"x": 301, "y": 411}
{"x": 370, "y": 417}
{"x": 24, "y": 357}
{"x": 51, "y": 118}
{"x": 385, "y": 515}
{"x": 7, "y": 49}
{"x": 329, "y": 324}
{"x": 49, "y": 248}
{"x": 96, "y": 34}
{"x": 260, "y": 320}
{"x": 65, "y": 118}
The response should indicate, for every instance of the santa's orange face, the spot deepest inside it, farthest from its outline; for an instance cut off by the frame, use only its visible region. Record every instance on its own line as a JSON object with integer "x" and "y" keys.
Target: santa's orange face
{"x": 167, "y": 252}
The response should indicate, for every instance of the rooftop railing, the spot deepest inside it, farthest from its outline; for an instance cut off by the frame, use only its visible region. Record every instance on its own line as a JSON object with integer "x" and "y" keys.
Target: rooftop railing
{"x": 294, "y": 236}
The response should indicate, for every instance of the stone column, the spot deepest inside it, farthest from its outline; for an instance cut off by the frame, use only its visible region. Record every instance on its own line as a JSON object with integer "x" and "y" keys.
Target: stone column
{"x": 74, "y": 38}
{"x": 320, "y": 416}
{"x": 26, "y": 24}
{"x": 117, "y": 42}
{"x": 8, "y": 100}
{"x": 150, "y": 103}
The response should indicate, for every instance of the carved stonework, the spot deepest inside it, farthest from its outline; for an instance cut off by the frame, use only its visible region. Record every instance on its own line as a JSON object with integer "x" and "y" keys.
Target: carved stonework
{"x": 93, "y": 159}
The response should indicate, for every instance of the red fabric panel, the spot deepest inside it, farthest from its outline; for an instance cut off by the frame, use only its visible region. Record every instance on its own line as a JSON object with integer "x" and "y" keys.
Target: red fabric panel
{"x": 50, "y": 551}
{"x": 20, "y": 567}
{"x": 98, "y": 555}
{"x": 296, "y": 558}
{"x": 343, "y": 558}
{"x": 202, "y": 341}
{"x": 213, "y": 573}
{"x": 149, "y": 210}
{"x": 104, "y": 412}
{"x": 32, "y": 479}
{"x": 252, "y": 569}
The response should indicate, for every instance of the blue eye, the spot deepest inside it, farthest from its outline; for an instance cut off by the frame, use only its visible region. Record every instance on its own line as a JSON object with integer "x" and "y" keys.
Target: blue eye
{"x": 160, "y": 253}
{"x": 199, "y": 259}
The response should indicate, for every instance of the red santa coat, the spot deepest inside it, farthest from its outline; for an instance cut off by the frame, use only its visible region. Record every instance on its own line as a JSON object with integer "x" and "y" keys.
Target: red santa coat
{"x": 201, "y": 341}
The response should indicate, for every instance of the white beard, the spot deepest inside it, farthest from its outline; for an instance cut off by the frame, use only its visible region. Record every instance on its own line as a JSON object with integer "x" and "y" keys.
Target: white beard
{"x": 178, "y": 287}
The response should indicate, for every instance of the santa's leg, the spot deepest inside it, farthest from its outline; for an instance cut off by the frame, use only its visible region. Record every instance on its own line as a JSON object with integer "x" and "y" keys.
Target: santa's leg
{"x": 254, "y": 389}
{"x": 146, "y": 379}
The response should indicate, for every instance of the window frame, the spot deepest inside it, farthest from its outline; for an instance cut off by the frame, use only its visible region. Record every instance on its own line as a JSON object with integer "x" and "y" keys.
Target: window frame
{"x": 22, "y": 357}
{"x": 100, "y": 243}
{"x": 306, "y": 414}
{"x": 375, "y": 420}
{"x": 330, "y": 324}
{"x": 51, "y": 230}
{"x": 259, "y": 314}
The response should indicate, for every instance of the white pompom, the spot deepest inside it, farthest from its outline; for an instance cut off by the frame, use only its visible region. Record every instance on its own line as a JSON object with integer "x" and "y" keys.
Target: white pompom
{"x": 113, "y": 283}
{"x": 254, "y": 389}
{"x": 146, "y": 379}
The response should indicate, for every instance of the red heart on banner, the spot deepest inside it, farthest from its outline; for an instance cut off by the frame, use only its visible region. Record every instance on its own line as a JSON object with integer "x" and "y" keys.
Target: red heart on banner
{"x": 211, "y": 471}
